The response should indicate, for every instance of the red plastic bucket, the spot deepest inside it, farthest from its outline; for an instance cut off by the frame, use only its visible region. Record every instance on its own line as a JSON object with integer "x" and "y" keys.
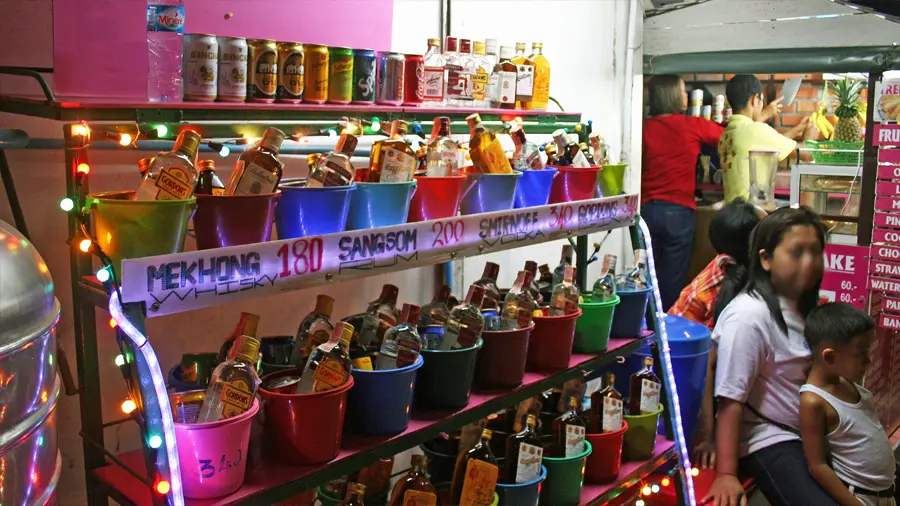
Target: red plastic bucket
{"x": 604, "y": 463}
{"x": 305, "y": 429}
{"x": 436, "y": 197}
{"x": 550, "y": 345}
{"x": 213, "y": 456}
{"x": 501, "y": 361}
{"x": 232, "y": 220}
{"x": 574, "y": 183}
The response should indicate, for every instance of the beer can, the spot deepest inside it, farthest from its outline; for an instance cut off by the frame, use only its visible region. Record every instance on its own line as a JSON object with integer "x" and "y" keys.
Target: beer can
{"x": 315, "y": 74}
{"x": 290, "y": 73}
{"x": 707, "y": 112}
{"x": 391, "y": 73}
{"x": 340, "y": 75}
{"x": 414, "y": 80}
{"x": 363, "y": 76}
{"x": 232, "y": 69}
{"x": 696, "y": 97}
{"x": 262, "y": 78}
{"x": 201, "y": 67}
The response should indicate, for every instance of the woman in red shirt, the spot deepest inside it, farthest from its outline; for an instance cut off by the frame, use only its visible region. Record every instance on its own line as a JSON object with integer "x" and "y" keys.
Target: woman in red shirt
{"x": 672, "y": 143}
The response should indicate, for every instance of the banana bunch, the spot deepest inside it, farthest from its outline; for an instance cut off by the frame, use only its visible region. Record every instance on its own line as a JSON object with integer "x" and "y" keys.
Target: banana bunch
{"x": 823, "y": 124}
{"x": 861, "y": 113}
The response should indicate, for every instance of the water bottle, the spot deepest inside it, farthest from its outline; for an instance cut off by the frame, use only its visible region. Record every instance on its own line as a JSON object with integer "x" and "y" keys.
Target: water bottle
{"x": 165, "y": 30}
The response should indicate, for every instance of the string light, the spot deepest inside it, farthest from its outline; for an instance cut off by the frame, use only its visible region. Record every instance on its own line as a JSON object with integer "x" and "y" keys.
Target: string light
{"x": 84, "y": 168}
{"x": 163, "y": 487}
{"x": 654, "y": 488}
{"x": 128, "y": 406}
{"x": 67, "y": 204}
{"x": 222, "y": 149}
{"x": 120, "y": 360}
{"x": 85, "y": 245}
{"x": 333, "y": 132}
{"x": 695, "y": 471}
{"x": 646, "y": 490}
{"x": 639, "y": 502}
{"x": 666, "y": 482}
{"x": 103, "y": 275}
{"x": 155, "y": 441}
{"x": 113, "y": 323}
{"x": 125, "y": 140}
{"x": 81, "y": 130}
{"x": 376, "y": 124}
{"x": 162, "y": 131}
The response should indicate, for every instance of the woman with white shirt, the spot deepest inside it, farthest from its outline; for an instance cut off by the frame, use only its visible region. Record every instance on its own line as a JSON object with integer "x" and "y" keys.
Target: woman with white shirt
{"x": 763, "y": 359}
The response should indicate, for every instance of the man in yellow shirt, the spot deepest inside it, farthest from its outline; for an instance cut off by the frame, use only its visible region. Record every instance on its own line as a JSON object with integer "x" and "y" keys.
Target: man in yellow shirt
{"x": 746, "y": 131}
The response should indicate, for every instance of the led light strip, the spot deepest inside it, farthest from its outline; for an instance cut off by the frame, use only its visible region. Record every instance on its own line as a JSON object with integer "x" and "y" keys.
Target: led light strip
{"x": 674, "y": 405}
{"x": 141, "y": 343}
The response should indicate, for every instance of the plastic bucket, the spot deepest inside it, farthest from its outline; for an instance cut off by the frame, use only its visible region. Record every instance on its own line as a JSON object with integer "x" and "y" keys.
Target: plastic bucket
{"x": 640, "y": 438}
{"x": 593, "y": 328}
{"x": 550, "y": 344}
{"x": 375, "y": 205}
{"x": 436, "y": 197}
{"x": 128, "y": 228}
{"x": 534, "y": 189}
{"x": 306, "y": 211}
{"x": 445, "y": 379}
{"x": 502, "y": 359}
{"x": 440, "y": 464}
{"x": 629, "y": 318}
{"x": 232, "y": 220}
{"x": 213, "y": 455}
{"x": 564, "y": 478}
{"x": 487, "y": 193}
{"x": 611, "y": 180}
{"x": 380, "y": 400}
{"x": 521, "y": 494}
{"x": 573, "y": 184}
{"x": 603, "y": 464}
{"x": 305, "y": 429}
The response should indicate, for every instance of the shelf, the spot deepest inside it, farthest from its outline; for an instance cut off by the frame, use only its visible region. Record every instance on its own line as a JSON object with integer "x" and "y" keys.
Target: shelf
{"x": 268, "y": 481}
{"x": 629, "y": 474}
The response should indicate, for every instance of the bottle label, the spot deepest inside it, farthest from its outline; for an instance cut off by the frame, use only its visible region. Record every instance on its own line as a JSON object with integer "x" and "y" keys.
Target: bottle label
{"x": 363, "y": 363}
{"x": 232, "y": 71}
{"x": 236, "y": 398}
{"x": 330, "y": 374}
{"x": 265, "y": 75}
{"x": 524, "y": 80}
{"x": 434, "y": 84}
{"x": 459, "y": 83}
{"x": 290, "y": 76}
{"x": 574, "y": 440}
{"x": 528, "y": 466}
{"x": 316, "y": 339}
{"x": 174, "y": 184}
{"x": 407, "y": 352}
{"x": 541, "y": 85}
{"x": 505, "y": 87}
{"x": 255, "y": 180}
{"x": 612, "y": 414}
{"x": 533, "y": 161}
{"x": 649, "y": 396}
{"x": 419, "y": 498}
{"x": 479, "y": 483}
{"x": 469, "y": 331}
{"x": 479, "y": 83}
{"x": 165, "y": 18}
{"x": 333, "y": 173}
{"x": 218, "y": 191}
{"x": 397, "y": 166}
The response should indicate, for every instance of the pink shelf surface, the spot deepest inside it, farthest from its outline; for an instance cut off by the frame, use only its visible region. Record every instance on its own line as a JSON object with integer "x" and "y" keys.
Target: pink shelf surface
{"x": 629, "y": 473}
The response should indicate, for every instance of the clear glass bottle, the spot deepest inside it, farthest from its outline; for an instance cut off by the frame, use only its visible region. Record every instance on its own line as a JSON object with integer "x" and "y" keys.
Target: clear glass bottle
{"x": 566, "y": 259}
{"x": 503, "y": 80}
{"x": 518, "y": 307}
{"x": 380, "y": 315}
{"x": 315, "y": 329}
{"x": 392, "y": 160}
{"x": 546, "y": 278}
{"x": 568, "y": 432}
{"x": 437, "y": 311}
{"x": 541, "y": 92}
{"x": 565, "y": 296}
{"x": 481, "y": 77}
{"x": 636, "y": 278}
{"x": 434, "y": 73}
{"x": 460, "y": 69}
{"x": 208, "y": 183}
{"x": 524, "y": 75}
{"x": 233, "y": 384}
{"x": 415, "y": 488}
{"x": 605, "y": 287}
{"x": 490, "y": 61}
{"x": 491, "y": 301}
{"x": 644, "y": 387}
{"x": 485, "y": 148}
{"x": 524, "y": 452}
{"x": 335, "y": 169}
{"x": 355, "y": 494}
{"x": 442, "y": 156}
{"x": 172, "y": 175}
{"x": 526, "y": 155}
{"x": 475, "y": 474}
{"x": 465, "y": 324}
{"x": 531, "y": 266}
{"x": 258, "y": 170}
{"x": 606, "y": 407}
{"x": 568, "y": 150}
{"x": 329, "y": 364}
{"x": 402, "y": 344}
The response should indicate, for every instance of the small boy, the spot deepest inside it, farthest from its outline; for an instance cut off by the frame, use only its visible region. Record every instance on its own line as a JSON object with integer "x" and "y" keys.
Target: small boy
{"x": 837, "y": 417}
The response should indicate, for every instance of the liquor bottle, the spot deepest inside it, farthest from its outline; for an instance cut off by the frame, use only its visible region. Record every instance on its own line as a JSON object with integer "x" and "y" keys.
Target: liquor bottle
{"x": 568, "y": 150}
{"x": 247, "y": 326}
{"x": 531, "y": 266}
{"x": 233, "y": 384}
{"x": 524, "y": 75}
{"x": 421, "y": 160}
{"x": 415, "y": 489}
{"x": 465, "y": 323}
{"x": 258, "y": 170}
{"x": 437, "y": 311}
{"x": 480, "y": 78}
{"x": 475, "y": 474}
{"x": 541, "y": 91}
{"x": 442, "y": 157}
{"x": 329, "y": 364}
{"x": 489, "y": 61}
{"x": 490, "y": 304}
{"x": 565, "y": 296}
{"x": 402, "y": 344}
{"x": 586, "y": 151}
{"x": 605, "y": 287}
{"x": 600, "y": 148}
{"x": 335, "y": 169}
{"x": 144, "y": 165}
{"x": 380, "y": 316}
{"x": 552, "y": 153}
{"x": 524, "y": 452}
{"x": 503, "y": 80}
{"x": 545, "y": 279}
{"x": 172, "y": 175}
{"x": 518, "y": 307}
{"x": 355, "y": 494}
{"x": 606, "y": 407}
{"x": 315, "y": 329}
{"x": 208, "y": 183}
{"x": 487, "y": 153}
{"x": 375, "y": 477}
{"x": 636, "y": 278}
{"x": 459, "y": 72}
{"x": 566, "y": 259}
{"x": 644, "y": 389}
{"x": 568, "y": 431}
{"x": 392, "y": 160}
{"x": 434, "y": 73}
{"x": 526, "y": 155}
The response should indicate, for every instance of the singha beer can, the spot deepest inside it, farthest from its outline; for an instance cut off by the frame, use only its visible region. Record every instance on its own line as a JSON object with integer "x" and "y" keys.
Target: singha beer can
{"x": 706, "y": 112}
{"x": 391, "y": 73}
{"x": 315, "y": 74}
{"x": 290, "y": 73}
{"x": 414, "y": 80}
{"x": 363, "y": 76}
{"x": 340, "y": 75}
{"x": 201, "y": 67}
{"x": 262, "y": 78}
{"x": 232, "y": 69}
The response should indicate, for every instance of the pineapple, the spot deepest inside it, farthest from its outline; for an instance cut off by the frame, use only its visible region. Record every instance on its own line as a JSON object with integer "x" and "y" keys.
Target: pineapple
{"x": 848, "y": 128}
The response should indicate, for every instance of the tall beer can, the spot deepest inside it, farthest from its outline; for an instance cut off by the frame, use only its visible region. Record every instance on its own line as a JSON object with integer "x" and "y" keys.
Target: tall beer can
{"x": 290, "y": 73}
{"x": 315, "y": 74}
{"x": 363, "y": 76}
{"x": 232, "y": 69}
{"x": 707, "y": 112}
{"x": 414, "y": 80}
{"x": 391, "y": 74}
{"x": 262, "y": 78}
{"x": 340, "y": 75}
{"x": 201, "y": 67}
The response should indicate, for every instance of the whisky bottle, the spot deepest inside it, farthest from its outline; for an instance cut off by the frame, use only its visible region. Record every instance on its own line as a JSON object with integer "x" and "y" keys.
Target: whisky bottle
{"x": 503, "y": 80}
{"x": 335, "y": 169}
{"x": 568, "y": 432}
{"x": 434, "y": 73}
{"x": 481, "y": 76}
{"x": 380, "y": 315}
{"x": 144, "y": 165}
{"x": 437, "y": 311}
{"x": 442, "y": 157}
{"x": 329, "y": 364}
{"x": 315, "y": 329}
{"x": 531, "y": 266}
{"x": 645, "y": 387}
{"x": 605, "y": 287}
{"x": 172, "y": 175}
{"x": 415, "y": 489}
{"x": 564, "y": 300}
{"x": 475, "y": 474}
{"x": 487, "y": 153}
{"x": 392, "y": 160}
{"x": 402, "y": 344}
{"x": 355, "y": 494}
{"x": 233, "y": 384}
{"x": 566, "y": 259}
{"x": 490, "y": 303}
{"x": 518, "y": 306}
{"x": 258, "y": 170}
{"x": 526, "y": 155}
{"x": 376, "y": 477}
{"x": 465, "y": 323}
{"x": 524, "y": 452}
{"x": 247, "y": 326}
{"x": 636, "y": 278}
{"x": 208, "y": 183}
{"x": 541, "y": 91}
{"x": 524, "y": 75}
{"x": 606, "y": 407}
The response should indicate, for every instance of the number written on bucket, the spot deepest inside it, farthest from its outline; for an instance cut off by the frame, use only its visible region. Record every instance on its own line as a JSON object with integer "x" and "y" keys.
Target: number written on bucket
{"x": 448, "y": 233}
{"x": 301, "y": 257}
{"x": 208, "y": 469}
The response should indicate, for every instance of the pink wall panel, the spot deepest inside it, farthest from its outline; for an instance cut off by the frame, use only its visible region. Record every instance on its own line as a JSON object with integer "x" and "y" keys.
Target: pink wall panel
{"x": 101, "y": 51}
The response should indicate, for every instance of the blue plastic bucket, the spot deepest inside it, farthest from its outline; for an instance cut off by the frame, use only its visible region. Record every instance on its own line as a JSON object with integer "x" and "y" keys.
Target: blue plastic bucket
{"x": 303, "y": 211}
{"x": 521, "y": 494}
{"x": 379, "y": 204}
{"x": 534, "y": 190}
{"x": 628, "y": 321}
{"x": 487, "y": 193}
{"x": 379, "y": 401}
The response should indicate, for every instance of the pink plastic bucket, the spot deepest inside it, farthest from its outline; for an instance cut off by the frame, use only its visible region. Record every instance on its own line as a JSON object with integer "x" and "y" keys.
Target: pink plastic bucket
{"x": 213, "y": 456}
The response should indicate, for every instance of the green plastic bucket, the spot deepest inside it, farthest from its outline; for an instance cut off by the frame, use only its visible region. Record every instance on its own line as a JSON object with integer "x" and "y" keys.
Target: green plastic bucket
{"x": 127, "y": 228}
{"x": 592, "y": 327}
{"x": 564, "y": 478}
{"x": 640, "y": 438}
{"x": 611, "y": 180}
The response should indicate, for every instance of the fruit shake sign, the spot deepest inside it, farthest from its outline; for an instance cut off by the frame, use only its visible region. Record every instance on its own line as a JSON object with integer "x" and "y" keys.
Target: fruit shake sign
{"x": 884, "y": 268}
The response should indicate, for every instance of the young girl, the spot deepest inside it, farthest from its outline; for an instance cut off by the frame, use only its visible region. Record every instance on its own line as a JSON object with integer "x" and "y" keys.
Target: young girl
{"x": 763, "y": 360}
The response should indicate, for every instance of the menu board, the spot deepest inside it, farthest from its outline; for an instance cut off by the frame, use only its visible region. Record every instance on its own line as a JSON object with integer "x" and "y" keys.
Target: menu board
{"x": 845, "y": 275}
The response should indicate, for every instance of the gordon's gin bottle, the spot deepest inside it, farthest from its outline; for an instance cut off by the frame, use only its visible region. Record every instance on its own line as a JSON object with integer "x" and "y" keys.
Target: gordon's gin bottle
{"x": 165, "y": 31}
{"x": 172, "y": 175}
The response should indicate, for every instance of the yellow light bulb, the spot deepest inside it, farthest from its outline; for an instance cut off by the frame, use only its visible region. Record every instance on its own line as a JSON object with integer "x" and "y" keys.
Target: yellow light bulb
{"x": 128, "y": 406}
{"x": 85, "y": 245}
{"x": 695, "y": 471}
{"x": 163, "y": 487}
{"x": 646, "y": 490}
{"x": 125, "y": 140}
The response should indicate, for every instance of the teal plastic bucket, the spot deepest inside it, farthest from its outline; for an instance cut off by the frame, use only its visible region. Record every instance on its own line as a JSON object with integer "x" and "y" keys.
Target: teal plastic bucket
{"x": 565, "y": 476}
{"x": 521, "y": 494}
{"x": 380, "y": 204}
{"x": 445, "y": 380}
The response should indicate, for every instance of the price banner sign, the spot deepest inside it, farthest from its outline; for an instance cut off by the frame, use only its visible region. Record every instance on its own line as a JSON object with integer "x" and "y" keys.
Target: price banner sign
{"x": 179, "y": 282}
{"x": 846, "y": 268}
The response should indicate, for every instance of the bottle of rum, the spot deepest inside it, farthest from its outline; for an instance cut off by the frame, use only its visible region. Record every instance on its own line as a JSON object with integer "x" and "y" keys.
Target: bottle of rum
{"x": 465, "y": 324}
{"x": 380, "y": 315}
{"x": 475, "y": 474}
{"x": 490, "y": 304}
{"x": 485, "y": 149}
{"x": 541, "y": 92}
{"x": 531, "y": 266}
{"x": 524, "y": 452}
{"x": 415, "y": 489}
{"x": 565, "y": 260}
{"x": 636, "y": 278}
{"x": 315, "y": 329}
{"x": 565, "y": 296}
{"x": 437, "y": 311}
{"x": 442, "y": 157}
{"x": 335, "y": 169}
{"x": 524, "y": 75}
{"x": 329, "y": 364}
{"x": 526, "y": 155}
{"x": 606, "y": 407}
{"x": 355, "y": 494}
{"x": 392, "y": 160}
{"x": 172, "y": 175}
{"x": 233, "y": 384}
{"x": 402, "y": 344}
{"x": 503, "y": 80}
{"x": 518, "y": 307}
{"x": 605, "y": 286}
{"x": 481, "y": 76}
{"x": 644, "y": 388}
{"x": 434, "y": 73}
{"x": 258, "y": 170}
{"x": 568, "y": 432}
{"x": 208, "y": 183}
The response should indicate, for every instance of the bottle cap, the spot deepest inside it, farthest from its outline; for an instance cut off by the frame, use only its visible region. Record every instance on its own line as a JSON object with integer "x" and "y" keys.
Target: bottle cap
{"x": 144, "y": 164}
{"x": 201, "y": 165}
{"x": 537, "y": 45}
{"x": 465, "y": 46}
{"x": 452, "y": 44}
{"x": 443, "y": 125}
{"x": 648, "y": 361}
{"x": 248, "y": 347}
{"x": 479, "y": 47}
{"x": 247, "y": 325}
{"x": 520, "y": 46}
{"x": 518, "y": 135}
{"x": 443, "y": 293}
{"x": 410, "y": 313}
{"x": 490, "y": 46}
{"x": 610, "y": 378}
{"x": 399, "y": 127}
{"x": 345, "y": 330}
{"x": 531, "y": 266}
{"x": 188, "y": 142}
{"x": 434, "y": 42}
{"x": 527, "y": 277}
{"x": 324, "y": 304}
{"x": 389, "y": 293}
{"x": 272, "y": 139}
{"x": 506, "y": 53}
{"x": 357, "y": 488}
{"x": 418, "y": 460}
{"x": 346, "y": 144}
{"x": 531, "y": 421}
{"x": 491, "y": 271}
{"x": 312, "y": 159}
{"x": 486, "y": 434}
